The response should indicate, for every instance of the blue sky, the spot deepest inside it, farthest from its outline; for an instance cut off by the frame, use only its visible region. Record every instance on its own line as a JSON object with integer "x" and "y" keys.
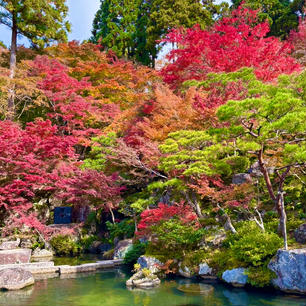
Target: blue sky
{"x": 81, "y": 15}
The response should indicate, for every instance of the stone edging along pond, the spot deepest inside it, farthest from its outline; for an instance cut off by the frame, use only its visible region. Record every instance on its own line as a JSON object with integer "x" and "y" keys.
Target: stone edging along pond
{"x": 48, "y": 267}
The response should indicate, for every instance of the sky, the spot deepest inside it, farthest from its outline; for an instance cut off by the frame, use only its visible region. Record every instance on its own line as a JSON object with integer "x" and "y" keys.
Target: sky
{"x": 81, "y": 15}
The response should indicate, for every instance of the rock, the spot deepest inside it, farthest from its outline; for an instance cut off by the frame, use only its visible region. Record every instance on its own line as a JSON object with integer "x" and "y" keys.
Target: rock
{"x": 42, "y": 255}
{"x": 241, "y": 178}
{"x": 235, "y": 277}
{"x": 122, "y": 248}
{"x": 15, "y": 256}
{"x": 97, "y": 247}
{"x": 15, "y": 279}
{"x": 254, "y": 170}
{"x": 290, "y": 269}
{"x": 300, "y": 234}
{"x": 206, "y": 272}
{"x": 150, "y": 263}
{"x": 104, "y": 247}
{"x": 143, "y": 281}
{"x": 26, "y": 243}
{"x": 94, "y": 247}
{"x": 185, "y": 271}
{"x": 34, "y": 267}
{"x": 196, "y": 289}
{"x": 9, "y": 245}
{"x": 216, "y": 238}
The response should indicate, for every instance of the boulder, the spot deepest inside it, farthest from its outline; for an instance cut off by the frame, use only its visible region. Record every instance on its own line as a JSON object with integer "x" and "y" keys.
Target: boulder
{"x": 150, "y": 263}
{"x": 290, "y": 269}
{"x": 206, "y": 272}
{"x": 9, "y": 245}
{"x": 185, "y": 271}
{"x": 98, "y": 247}
{"x": 241, "y": 178}
{"x": 94, "y": 247}
{"x": 15, "y": 256}
{"x": 235, "y": 277}
{"x": 15, "y": 279}
{"x": 300, "y": 234}
{"x": 255, "y": 171}
{"x": 41, "y": 255}
{"x": 26, "y": 243}
{"x": 143, "y": 281}
{"x": 122, "y": 248}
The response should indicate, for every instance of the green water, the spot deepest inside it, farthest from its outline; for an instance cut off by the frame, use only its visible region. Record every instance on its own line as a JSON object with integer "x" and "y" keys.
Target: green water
{"x": 108, "y": 289}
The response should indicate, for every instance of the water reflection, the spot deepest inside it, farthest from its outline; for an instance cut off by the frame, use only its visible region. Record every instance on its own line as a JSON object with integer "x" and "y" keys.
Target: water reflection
{"x": 108, "y": 289}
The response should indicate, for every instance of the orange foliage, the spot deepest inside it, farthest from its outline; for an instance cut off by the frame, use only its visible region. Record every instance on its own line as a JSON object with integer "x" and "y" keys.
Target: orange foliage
{"x": 171, "y": 113}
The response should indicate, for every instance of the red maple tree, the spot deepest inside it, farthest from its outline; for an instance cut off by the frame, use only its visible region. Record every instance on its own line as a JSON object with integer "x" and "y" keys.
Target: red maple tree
{"x": 237, "y": 41}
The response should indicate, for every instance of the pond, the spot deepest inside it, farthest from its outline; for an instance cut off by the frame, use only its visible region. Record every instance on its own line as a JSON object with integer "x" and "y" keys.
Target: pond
{"x": 107, "y": 288}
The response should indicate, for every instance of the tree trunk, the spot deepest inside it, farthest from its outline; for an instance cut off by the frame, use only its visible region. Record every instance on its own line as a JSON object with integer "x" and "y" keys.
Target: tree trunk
{"x": 194, "y": 205}
{"x": 11, "y": 94}
{"x": 283, "y": 219}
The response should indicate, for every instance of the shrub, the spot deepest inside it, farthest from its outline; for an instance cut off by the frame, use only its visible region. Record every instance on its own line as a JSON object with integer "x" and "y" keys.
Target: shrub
{"x": 250, "y": 248}
{"x": 136, "y": 251}
{"x": 255, "y": 247}
{"x": 63, "y": 245}
{"x": 87, "y": 241}
{"x": 109, "y": 254}
{"x": 122, "y": 230}
{"x": 173, "y": 239}
{"x": 260, "y": 276}
{"x": 174, "y": 235}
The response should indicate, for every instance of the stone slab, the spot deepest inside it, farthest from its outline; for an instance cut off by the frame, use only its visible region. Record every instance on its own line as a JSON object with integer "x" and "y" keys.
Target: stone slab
{"x": 9, "y": 245}
{"x": 34, "y": 267}
{"x": 89, "y": 267}
{"x": 15, "y": 279}
{"x": 15, "y": 256}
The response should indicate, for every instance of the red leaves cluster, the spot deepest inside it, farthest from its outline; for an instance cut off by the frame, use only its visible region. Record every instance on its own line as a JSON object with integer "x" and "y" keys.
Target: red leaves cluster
{"x": 217, "y": 192}
{"x": 31, "y": 162}
{"x": 152, "y": 217}
{"x": 232, "y": 43}
{"x": 92, "y": 188}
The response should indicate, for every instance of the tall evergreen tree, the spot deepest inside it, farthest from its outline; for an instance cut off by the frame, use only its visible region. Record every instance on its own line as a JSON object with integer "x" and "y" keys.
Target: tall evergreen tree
{"x": 132, "y": 28}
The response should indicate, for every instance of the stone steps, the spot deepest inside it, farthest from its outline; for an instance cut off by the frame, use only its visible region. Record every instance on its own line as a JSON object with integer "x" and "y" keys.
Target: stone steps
{"x": 34, "y": 267}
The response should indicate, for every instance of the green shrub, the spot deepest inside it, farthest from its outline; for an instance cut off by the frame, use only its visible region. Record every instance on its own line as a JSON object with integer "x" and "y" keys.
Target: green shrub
{"x": 224, "y": 259}
{"x": 250, "y": 248}
{"x": 260, "y": 276}
{"x": 63, "y": 245}
{"x": 122, "y": 230}
{"x": 134, "y": 253}
{"x": 255, "y": 247}
{"x": 109, "y": 254}
{"x": 176, "y": 236}
{"x": 87, "y": 241}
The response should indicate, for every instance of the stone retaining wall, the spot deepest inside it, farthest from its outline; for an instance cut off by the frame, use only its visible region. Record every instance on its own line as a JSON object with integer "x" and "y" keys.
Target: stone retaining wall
{"x": 50, "y": 268}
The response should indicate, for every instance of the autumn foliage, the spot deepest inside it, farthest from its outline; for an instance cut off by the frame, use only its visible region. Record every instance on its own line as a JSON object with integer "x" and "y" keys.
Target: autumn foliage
{"x": 237, "y": 41}
{"x": 32, "y": 161}
{"x": 163, "y": 212}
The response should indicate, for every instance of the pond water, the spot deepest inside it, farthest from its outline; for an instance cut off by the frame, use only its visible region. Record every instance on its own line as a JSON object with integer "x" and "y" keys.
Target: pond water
{"x": 107, "y": 288}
